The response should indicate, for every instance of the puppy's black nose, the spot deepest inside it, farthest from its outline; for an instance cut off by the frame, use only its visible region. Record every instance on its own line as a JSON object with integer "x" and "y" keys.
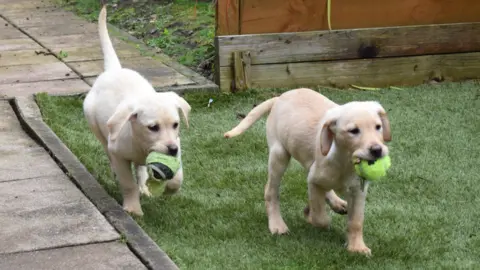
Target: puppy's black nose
{"x": 172, "y": 150}
{"x": 376, "y": 151}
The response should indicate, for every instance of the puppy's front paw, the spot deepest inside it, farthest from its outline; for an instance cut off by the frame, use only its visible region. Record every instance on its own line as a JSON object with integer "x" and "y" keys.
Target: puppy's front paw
{"x": 277, "y": 226}
{"x": 144, "y": 190}
{"x": 135, "y": 210}
{"x": 360, "y": 248}
{"x": 338, "y": 206}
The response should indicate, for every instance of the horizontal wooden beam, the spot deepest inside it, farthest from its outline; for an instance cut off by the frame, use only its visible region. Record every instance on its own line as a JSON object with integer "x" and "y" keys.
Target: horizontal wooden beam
{"x": 351, "y": 44}
{"x": 380, "y": 72}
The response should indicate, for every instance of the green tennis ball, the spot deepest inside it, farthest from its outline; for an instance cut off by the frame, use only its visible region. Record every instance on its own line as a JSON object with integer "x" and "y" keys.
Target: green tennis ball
{"x": 155, "y": 187}
{"x": 373, "y": 170}
{"x": 161, "y": 166}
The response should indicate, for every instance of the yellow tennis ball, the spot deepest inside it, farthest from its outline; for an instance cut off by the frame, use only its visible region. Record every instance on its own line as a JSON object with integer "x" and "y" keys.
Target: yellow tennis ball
{"x": 373, "y": 170}
{"x": 155, "y": 187}
{"x": 161, "y": 166}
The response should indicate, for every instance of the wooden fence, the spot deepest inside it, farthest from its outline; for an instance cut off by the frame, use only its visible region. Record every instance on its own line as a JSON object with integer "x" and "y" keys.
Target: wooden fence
{"x": 286, "y": 43}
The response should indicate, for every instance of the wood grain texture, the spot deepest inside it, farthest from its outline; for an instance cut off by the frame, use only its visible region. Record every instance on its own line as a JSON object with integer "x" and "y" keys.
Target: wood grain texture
{"x": 278, "y": 16}
{"x": 381, "y": 72}
{"x": 228, "y": 17}
{"x": 351, "y": 44}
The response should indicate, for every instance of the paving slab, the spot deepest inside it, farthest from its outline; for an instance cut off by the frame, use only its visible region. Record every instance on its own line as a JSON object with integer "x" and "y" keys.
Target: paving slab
{"x": 25, "y": 163}
{"x": 20, "y": 156}
{"x": 62, "y": 29}
{"x": 26, "y": 57}
{"x": 40, "y": 207}
{"x": 118, "y": 257}
{"x": 10, "y": 33}
{"x": 56, "y": 87}
{"x": 33, "y": 73}
{"x": 83, "y": 53}
{"x": 48, "y": 212}
{"x": 158, "y": 74}
{"x": 67, "y": 41}
{"x": 38, "y": 20}
{"x": 4, "y": 5}
{"x": 18, "y": 44}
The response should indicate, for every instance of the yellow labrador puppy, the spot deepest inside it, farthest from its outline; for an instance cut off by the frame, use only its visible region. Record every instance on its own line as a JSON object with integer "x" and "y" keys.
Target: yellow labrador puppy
{"x": 130, "y": 119}
{"x": 324, "y": 137}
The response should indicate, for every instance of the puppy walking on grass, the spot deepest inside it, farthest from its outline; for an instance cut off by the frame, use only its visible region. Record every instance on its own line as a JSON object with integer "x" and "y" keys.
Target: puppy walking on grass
{"x": 131, "y": 120}
{"x": 324, "y": 137}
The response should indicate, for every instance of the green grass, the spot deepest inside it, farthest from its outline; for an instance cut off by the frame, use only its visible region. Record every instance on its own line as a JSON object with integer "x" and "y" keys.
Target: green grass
{"x": 424, "y": 216}
{"x": 169, "y": 26}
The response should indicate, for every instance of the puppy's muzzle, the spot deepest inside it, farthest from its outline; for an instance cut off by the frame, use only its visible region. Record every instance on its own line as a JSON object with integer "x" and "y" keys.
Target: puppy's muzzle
{"x": 172, "y": 150}
{"x": 376, "y": 151}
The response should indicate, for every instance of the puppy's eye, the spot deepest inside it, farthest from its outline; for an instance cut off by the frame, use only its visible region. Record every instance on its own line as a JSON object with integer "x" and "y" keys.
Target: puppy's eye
{"x": 154, "y": 128}
{"x": 175, "y": 125}
{"x": 378, "y": 127}
{"x": 354, "y": 131}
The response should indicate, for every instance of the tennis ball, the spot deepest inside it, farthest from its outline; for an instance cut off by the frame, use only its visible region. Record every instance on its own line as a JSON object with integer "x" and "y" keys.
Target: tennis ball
{"x": 161, "y": 166}
{"x": 373, "y": 170}
{"x": 155, "y": 187}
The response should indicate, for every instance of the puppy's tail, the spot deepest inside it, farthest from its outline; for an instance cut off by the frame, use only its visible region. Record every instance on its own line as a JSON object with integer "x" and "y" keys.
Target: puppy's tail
{"x": 110, "y": 57}
{"x": 251, "y": 118}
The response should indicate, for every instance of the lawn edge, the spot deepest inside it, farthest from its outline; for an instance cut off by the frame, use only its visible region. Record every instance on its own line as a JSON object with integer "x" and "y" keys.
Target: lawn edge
{"x": 149, "y": 253}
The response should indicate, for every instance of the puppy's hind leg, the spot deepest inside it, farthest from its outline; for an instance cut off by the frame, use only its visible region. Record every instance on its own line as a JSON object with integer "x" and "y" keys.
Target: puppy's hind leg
{"x": 277, "y": 164}
{"x": 316, "y": 212}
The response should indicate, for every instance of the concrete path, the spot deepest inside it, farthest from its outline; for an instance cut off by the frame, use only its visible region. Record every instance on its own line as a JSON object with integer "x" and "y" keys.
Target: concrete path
{"x": 46, "y": 222}
{"x": 44, "y": 48}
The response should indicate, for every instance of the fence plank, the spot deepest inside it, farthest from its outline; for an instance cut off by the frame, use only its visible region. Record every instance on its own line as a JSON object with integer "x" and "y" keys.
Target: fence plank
{"x": 351, "y": 44}
{"x": 228, "y": 17}
{"x": 380, "y": 72}
{"x": 278, "y": 16}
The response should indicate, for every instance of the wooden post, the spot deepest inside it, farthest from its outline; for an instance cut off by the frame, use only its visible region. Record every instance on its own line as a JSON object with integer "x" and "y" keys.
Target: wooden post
{"x": 242, "y": 70}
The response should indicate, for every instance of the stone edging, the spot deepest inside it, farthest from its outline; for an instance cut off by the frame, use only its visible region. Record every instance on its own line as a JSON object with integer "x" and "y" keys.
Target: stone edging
{"x": 137, "y": 240}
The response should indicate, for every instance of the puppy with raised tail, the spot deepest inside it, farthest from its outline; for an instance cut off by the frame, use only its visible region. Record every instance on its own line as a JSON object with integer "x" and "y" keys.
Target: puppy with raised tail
{"x": 324, "y": 137}
{"x": 131, "y": 119}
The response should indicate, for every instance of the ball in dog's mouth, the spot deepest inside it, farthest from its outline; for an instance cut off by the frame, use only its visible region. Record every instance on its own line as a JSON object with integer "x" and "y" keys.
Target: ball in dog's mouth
{"x": 372, "y": 170}
{"x": 162, "y": 167}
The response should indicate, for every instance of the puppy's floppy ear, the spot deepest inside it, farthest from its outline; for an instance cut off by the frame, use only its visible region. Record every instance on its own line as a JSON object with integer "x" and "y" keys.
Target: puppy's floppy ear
{"x": 183, "y": 105}
{"x": 387, "y": 135}
{"x": 123, "y": 113}
{"x": 327, "y": 135}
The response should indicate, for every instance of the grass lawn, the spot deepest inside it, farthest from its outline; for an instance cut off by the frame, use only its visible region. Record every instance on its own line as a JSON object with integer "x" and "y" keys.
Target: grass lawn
{"x": 424, "y": 216}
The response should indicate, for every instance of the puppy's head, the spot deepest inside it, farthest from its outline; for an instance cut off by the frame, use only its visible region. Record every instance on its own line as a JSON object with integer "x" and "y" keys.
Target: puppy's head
{"x": 154, "y": 121}
{"x": 359, "y": 128}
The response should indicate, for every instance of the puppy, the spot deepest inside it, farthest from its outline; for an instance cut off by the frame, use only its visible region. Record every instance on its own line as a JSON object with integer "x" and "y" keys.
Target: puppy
{"x": 130, "y": 119}
{"x": 324, "y": 137}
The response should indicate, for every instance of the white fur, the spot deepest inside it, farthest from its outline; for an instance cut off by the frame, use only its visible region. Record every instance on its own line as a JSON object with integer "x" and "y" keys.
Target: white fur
{"x": 122, "y": 110}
